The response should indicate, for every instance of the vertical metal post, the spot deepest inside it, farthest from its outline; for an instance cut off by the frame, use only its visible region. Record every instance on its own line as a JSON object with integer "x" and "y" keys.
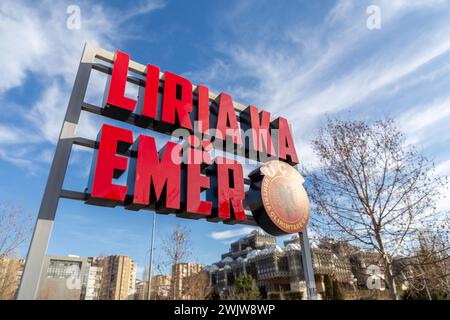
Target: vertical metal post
{"x": 42, "y": 231}
{"x": 150, "y": 267}
{"x": 308, "y": 266}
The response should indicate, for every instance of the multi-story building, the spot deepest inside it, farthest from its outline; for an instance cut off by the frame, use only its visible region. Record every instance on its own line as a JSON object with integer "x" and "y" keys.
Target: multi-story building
{"x": 118, "y": 277}
{"x": 93, "y": 283}
{"x": 279, "y": 271}
{"x": 141, "y": 289}
{"x": 179, "y": 272}
{"x": 94, "y": 278}
{"x": 256, "y": 240}
{"x": 161, "y": 285}
{"x": 10, "y": 274}
{"x": 63, "y": 278}
{"x": 70, "y": 278}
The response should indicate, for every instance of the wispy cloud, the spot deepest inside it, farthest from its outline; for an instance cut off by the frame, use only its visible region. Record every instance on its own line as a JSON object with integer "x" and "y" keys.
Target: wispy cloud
{"x": 140, "y": 8}
{"x": 306, "y": 73}
{"x": 27, "y": 164}
{"x": 443, "y": 169}
{"x": 420, "y": 122}
{"x": 233, "y": 233}
{"x": 10, "y": 134}
{"x": 37, "y": 46}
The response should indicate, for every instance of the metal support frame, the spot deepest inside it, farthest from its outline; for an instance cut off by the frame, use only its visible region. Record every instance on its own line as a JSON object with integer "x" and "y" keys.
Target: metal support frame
{"x": 150, "y": 264}
{"x": 54, "y": 188}
{"x": 308, "y": 268}
{"x": 307, "y": 263}
{"x": 47, "y": 211}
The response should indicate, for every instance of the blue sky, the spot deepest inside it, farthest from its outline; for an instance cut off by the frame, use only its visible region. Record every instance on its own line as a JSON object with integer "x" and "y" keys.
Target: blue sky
{"x": 305, "y": 60}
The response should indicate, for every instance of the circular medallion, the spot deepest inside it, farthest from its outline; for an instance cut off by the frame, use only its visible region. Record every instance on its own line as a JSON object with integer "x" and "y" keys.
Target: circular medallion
{"x": 285, "y": 205}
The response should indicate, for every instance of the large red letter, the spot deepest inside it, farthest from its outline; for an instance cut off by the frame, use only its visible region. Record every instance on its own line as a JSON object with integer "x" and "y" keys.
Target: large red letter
{"x": 228, "y": 181}
{"x": 286, "y": 146}
{"x": 108, "y": 165}
{"x": 117, "y": 104}
{"x": 154, "y": 173}
{"x": 196, "y": 183}
{"x": 177, "y": 99}
{"x": 260, "y": 127}
{"x": 227, "y": 124}
{"x": 203, "y": 108}
{"x": 148, "y": 107}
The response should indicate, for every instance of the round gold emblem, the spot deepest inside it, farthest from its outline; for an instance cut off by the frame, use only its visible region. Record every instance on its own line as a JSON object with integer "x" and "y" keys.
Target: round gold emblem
{"x": 284, "y": 197}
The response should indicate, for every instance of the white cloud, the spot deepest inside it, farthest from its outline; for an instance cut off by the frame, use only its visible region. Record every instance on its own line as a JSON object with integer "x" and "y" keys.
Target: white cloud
{"x": 217, "y": 69}
{"x": 233, "y": 233}
{"x": 365, "y": 81}
{"x": 333, "y": 68}
{"x": 443, "y": 168}
{"x": 340, "y": 11}
{"x": 48, "y": 112}
{"x": 36, "y": 41}
{"x": 141, "y": 8}
{"x": 18, "y": 26}
{"x": 296, "y": 85}
{"x": 418, "y": 122}
{"x": 10, "y": 134}
{"x": 16, "y": 158}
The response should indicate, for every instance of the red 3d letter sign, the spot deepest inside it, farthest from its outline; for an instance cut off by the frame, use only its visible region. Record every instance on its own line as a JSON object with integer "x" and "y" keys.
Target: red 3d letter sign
{"x": 181, "y": 177}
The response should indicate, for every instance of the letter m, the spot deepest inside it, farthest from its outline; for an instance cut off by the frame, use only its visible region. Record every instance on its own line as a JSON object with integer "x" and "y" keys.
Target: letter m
{"x": 156, "y": 176}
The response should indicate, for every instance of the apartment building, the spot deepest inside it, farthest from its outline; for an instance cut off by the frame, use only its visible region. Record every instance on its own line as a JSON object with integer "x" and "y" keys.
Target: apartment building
{"x": 118, "y": 277}
{"x": 180, "y": 271}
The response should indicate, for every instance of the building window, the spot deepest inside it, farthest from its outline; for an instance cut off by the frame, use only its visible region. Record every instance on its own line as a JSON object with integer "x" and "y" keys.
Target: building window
{"x": 62, "y": 269}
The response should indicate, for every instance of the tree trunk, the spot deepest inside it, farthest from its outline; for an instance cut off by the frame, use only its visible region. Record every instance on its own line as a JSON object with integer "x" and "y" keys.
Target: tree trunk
{"x": 388, "y": 272}
{"x": 390, "y": 279}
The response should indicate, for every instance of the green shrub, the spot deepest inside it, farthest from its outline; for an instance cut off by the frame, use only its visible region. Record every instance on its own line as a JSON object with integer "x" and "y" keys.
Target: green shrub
{"x": 293, "y": 295}
{"x": 246, "y": 288}
{"x": 274, "y": 296}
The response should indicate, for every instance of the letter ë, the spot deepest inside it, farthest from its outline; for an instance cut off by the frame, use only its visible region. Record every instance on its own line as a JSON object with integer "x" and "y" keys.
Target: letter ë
{"x": 193, "y": 184}
{"x": 227, "y": 179}
{"x": 108, "y": 165}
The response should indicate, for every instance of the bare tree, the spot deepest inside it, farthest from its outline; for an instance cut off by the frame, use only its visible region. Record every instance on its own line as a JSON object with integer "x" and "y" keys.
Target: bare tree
{"x": 426, "y": 271}
{"x": 14, "y": 231}
{"x": 175, "y": 248}
{"x": 197, "y": 286}
{"x": 372, "y": 189}
{"x": 9, "y": 277}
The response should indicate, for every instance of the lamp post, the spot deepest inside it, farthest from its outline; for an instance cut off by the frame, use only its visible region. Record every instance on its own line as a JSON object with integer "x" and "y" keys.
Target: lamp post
{"x": 354, "y": 283}
{"x": 150, "y": 268}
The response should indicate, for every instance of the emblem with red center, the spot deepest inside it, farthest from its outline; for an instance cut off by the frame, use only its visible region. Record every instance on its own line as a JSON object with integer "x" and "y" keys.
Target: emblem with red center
{"x": 278, "y": 199}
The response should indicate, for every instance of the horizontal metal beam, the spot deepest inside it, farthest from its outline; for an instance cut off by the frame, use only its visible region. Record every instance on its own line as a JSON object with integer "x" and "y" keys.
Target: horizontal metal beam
{"x": 92, "y": 144}
{"x": 132, "y": 79}
{"x": 83, "y": 196}
{"x": 132, "y": 118}
{"x": 74, "y": 195}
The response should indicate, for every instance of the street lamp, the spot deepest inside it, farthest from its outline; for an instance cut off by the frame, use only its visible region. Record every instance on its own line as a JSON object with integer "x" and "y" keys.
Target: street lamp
{"x": 354, "y": 283}
{"x": 150, "y": 268}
